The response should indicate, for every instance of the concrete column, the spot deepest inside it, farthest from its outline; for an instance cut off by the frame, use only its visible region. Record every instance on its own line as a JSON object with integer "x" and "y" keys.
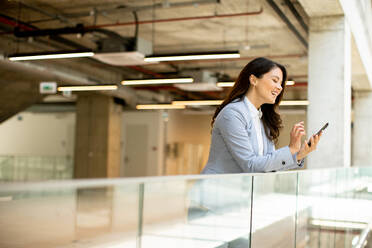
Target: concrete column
{"x": 97, "y": 139}
{"x": 329, "y": 91}
{"x": 362, "y": 133}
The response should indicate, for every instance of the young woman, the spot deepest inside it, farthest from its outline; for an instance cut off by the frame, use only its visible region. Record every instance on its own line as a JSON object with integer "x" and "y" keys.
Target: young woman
{"x": 246, "y": 125}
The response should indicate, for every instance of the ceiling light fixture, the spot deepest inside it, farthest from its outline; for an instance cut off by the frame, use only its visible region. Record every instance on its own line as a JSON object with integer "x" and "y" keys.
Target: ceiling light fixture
{"x": 218, "y": 102}
{"x": 160, "y": 106}
{"x": 231, "y": 84}
{"x": 87, "y": 88}
{"x": 225, "y": 84}
{"x": 294, "y": 103}
{"x": 49, "y": 56}
{"x": 158, "y": 81}
{"x": 198, "y": 103}
{"x": 197, "y": 56}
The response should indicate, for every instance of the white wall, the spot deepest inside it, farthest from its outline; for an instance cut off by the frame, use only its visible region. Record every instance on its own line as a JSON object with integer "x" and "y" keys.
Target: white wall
{"x": 38, "y": 134}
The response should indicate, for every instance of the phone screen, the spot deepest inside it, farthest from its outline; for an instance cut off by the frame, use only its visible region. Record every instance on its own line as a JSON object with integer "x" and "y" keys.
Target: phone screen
{"x": 322, "y": 129}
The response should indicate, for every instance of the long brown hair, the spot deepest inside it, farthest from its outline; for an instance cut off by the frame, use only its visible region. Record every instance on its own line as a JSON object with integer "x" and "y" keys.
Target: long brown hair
{"x": 258, "y": 67}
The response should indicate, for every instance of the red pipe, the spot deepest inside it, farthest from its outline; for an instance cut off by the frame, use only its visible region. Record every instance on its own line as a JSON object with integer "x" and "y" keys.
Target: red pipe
{"x": 175, "y": 19}
{"x": 146, "y": 71}
{"x": 14, "y": 23}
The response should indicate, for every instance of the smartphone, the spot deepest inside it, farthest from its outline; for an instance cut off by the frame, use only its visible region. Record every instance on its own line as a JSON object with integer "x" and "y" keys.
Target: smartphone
{"x": 322, "y": 129}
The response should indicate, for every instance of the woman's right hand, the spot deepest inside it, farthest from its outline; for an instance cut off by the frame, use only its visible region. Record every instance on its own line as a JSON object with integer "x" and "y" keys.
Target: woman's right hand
{"x": 297, "y": 132}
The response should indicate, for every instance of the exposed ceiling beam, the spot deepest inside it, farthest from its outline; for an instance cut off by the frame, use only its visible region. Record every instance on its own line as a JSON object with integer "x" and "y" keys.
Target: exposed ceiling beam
{"x": 287, "y": 22}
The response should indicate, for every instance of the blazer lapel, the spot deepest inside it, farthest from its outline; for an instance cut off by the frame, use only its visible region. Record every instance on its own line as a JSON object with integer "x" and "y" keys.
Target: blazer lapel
{"x": 252, "y": 132}
{"x": 264, "y": 139}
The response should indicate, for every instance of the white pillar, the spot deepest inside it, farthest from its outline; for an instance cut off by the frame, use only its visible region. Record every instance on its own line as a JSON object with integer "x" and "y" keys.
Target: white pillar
{"x": 329, "y": 91}
{"x": 362, "y": 133}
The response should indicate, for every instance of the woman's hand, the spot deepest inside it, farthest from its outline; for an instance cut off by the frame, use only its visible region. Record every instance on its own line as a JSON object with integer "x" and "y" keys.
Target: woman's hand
{"x": 306, "y": 149}
{"x": 297, "y": 132}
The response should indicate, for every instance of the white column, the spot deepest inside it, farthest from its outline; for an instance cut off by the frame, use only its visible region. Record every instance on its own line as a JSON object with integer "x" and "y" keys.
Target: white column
{"x": 329, "y": 91}
{"x": 362, "y": 133}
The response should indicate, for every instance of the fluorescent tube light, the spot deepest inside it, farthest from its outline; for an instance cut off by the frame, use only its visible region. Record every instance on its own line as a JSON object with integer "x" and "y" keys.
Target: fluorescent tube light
{"x": 158, "y": 81}
{"x": 294, "y": 103}
{"x": 87, "y": 88}
{"x": 231, "y": 84}
{"x": 218, "y": 102}
{"x": 51, "y": 56}
{"x": 225, "y": 84}
{"x": 160, "y": 106}
{"x": 203, "y": 102}
{"x": 160, "y": 58}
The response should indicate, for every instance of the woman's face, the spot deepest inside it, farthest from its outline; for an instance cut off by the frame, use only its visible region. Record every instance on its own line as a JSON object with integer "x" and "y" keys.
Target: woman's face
{"x": 269, "y": 86}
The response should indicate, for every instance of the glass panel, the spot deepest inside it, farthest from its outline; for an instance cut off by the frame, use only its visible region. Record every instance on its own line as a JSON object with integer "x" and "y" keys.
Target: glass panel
{"x": 213, "y": 212}
{"x": 317, "y": 201}
{"x": 68, "y": 215}
{"x": 312, "y": 209}
{"x": 355, "y": 204}
{"x": 274, "y": 210}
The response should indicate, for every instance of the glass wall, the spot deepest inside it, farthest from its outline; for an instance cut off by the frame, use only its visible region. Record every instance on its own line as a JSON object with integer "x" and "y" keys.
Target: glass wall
{"x": 35, "y": 168}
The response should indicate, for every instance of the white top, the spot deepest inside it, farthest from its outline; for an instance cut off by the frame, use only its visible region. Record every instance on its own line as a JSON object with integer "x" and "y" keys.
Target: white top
{"x": 256, "y": 116}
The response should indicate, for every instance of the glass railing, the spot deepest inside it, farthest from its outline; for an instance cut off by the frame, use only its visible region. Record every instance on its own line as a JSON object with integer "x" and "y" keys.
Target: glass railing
{"x": 35, "y": 168}
{"x": 313, "y": 208}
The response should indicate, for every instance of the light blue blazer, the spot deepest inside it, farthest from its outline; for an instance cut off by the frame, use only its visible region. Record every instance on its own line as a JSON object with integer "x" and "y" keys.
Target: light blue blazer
{"x": 234, "y": 146}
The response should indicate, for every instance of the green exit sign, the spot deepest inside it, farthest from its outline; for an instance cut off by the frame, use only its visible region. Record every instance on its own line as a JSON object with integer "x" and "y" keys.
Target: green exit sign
{"x": 48, "y": 87}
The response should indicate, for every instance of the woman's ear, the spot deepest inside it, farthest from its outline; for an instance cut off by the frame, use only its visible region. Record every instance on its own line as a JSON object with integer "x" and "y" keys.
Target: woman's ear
{"x": 253, "y": 80}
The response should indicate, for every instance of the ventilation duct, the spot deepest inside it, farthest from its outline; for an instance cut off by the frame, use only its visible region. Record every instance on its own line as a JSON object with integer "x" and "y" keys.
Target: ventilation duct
{"x": 112, "y": 49}
{"x": 115, "y": 52}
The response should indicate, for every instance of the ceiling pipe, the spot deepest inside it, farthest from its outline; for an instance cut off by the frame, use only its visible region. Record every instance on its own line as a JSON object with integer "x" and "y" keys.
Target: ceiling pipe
{"x": 14, "y": 23}
{"x": 146, "y": 71}
{"x": 78, "y": 29}
{"x": 163, "y": 5}
{"x": 29, "y": 28}
{"x": 61, "y": 18}
{"x": 287, "y": 22}
{"x": 82, "y": 29}
{"x": 176, "y": 19}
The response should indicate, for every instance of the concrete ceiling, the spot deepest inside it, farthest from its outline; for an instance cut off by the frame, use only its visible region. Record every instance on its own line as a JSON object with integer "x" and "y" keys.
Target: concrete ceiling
{"x": 258, "y": 31}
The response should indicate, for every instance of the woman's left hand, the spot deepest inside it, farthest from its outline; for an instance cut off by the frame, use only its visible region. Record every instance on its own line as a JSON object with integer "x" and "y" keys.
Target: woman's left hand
{"x": 306, "y": 149}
